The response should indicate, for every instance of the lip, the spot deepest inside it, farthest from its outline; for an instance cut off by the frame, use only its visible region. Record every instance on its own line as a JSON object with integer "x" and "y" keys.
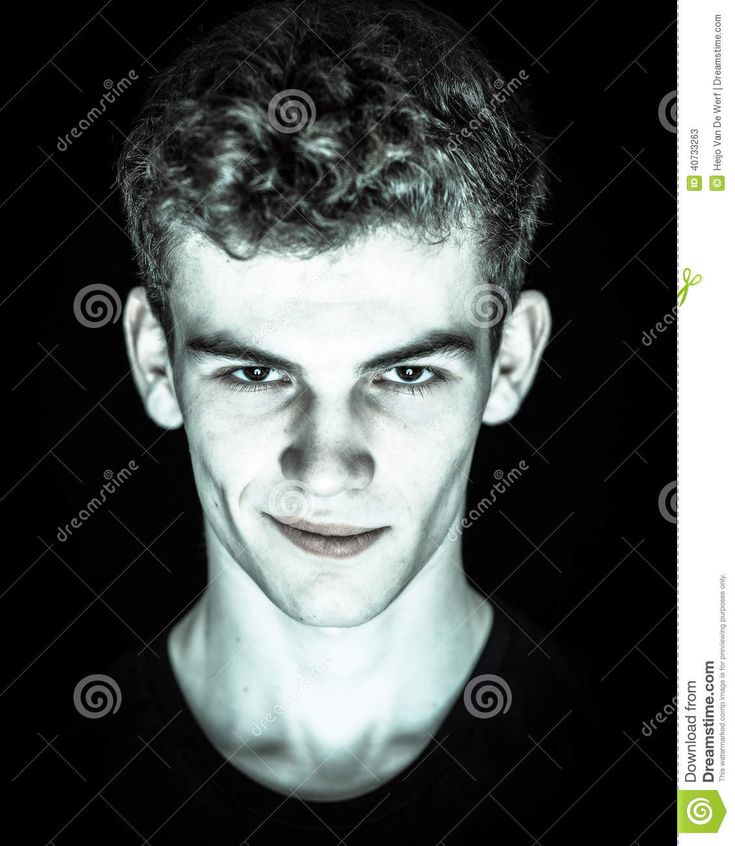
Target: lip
{"x": 333, "y": 540}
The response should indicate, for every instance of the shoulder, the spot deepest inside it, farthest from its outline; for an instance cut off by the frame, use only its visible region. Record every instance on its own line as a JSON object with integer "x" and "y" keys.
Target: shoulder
{"x": 110, "y": 708}
{"x": 103, "y": 736}
{"x": 551, "y": 736}
{"x": 553, "y": 686}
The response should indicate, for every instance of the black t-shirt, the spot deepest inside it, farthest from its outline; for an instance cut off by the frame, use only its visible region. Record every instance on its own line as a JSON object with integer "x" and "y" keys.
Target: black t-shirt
{"x": 148, "y": 773}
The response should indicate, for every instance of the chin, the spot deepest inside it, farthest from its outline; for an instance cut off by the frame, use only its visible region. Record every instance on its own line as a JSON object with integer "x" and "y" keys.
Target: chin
{"x": 337, "y": 611}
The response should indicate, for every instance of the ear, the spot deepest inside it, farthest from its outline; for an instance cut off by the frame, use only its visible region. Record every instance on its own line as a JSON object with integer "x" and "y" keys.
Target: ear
{"x": 525, "y": 334}
{"x": 146, "y": 344}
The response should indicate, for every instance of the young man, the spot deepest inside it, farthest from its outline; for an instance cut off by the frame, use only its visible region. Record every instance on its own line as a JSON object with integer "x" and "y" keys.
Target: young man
{"x": 333, "y": 205}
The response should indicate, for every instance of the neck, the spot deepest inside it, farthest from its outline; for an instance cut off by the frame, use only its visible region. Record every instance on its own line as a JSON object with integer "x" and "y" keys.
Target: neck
{"x": 332, "y": 683}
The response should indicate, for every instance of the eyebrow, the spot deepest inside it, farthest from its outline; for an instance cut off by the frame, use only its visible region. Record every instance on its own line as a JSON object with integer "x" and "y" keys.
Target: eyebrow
{"x": 434, "y": 342}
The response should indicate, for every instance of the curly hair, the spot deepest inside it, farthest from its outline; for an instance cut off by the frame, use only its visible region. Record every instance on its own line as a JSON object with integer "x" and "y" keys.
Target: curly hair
{"x": 298, "y": 131}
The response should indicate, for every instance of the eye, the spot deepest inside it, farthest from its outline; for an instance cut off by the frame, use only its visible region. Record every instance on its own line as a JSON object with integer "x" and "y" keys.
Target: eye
{"x": 411, "y": 379}
{"x": 253, "y": 378}
{"x": 410, "y": 374}
{"x": 254, "y": 374}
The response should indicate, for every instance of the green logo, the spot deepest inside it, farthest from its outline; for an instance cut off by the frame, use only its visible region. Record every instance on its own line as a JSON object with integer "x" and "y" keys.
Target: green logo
{"x": 694, "y": 183}
{"x": 700, "y": 811}
{"x": 689, "y": 280}
{"x": 717, "y": 183}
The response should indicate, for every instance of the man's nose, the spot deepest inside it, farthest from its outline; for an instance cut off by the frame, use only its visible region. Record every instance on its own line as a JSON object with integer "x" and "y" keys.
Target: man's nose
{"x": 327, "y": 450}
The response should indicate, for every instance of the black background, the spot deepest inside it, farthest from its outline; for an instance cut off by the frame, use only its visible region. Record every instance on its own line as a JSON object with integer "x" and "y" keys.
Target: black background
{"x": 579, "y": 541}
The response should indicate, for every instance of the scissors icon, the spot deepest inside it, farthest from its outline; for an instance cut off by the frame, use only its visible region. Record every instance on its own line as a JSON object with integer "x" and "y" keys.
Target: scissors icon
{"x": 689, "y": 280}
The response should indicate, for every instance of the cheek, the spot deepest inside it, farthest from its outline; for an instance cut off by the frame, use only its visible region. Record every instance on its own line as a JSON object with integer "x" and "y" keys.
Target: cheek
{"x": 227, "y": 459}
{"x": 218, "y": 418}
{"x": 431, "y": 455}
{"x": 227, "y": 448}
{"x": 428, "y": 470}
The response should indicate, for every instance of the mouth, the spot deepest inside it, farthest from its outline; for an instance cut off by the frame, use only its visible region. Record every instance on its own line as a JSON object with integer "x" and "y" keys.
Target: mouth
{"x": 332, "y": 540}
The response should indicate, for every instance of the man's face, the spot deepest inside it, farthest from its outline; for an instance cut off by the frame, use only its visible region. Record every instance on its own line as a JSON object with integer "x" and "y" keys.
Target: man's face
{"x": 328, "y": 436}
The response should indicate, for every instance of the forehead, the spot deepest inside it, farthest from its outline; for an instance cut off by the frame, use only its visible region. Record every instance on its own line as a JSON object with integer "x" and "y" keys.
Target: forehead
{"x": 387, "y": 285}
